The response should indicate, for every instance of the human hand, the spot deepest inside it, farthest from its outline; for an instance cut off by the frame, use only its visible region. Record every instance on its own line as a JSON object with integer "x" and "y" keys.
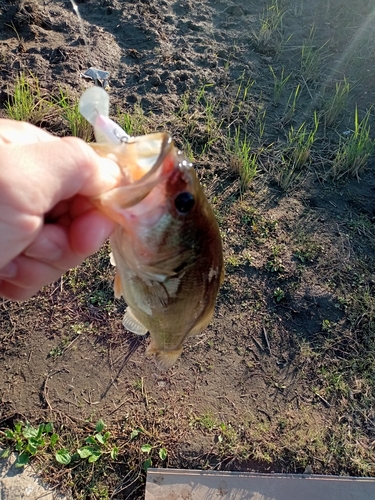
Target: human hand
{"x": 47, "y": 222}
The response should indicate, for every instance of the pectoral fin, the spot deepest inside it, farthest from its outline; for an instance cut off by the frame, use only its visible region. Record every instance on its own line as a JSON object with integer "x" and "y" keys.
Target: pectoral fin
{"x": 117, "y": 287}
{"x": 131, "y": 323}
{"x": 112, "y": 259}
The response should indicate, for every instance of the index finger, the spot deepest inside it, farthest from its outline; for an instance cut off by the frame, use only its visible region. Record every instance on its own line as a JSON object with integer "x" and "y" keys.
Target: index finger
{"x": 16, "y": 132}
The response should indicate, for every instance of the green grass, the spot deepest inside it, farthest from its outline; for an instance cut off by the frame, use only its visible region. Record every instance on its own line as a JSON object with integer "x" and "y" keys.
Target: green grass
{"x": 268, "y": 39}
{"x": 26, "y": 103}
{"x": 77, "y": 124}
{"x": 242, "y": 159}
{"x": 334, "y": 105}
{"x": 279, "y": 83}
{"x": 133, "y": 122}
{"x": 354, "y": 151}
{"x": 301, "y": 141}
{"x": 291, "y": 106}
{"x": 311, "y": 58}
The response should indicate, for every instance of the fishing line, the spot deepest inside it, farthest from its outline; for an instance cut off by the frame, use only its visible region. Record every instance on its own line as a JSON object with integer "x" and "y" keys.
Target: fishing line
{"x": 135, "y": 343}
{"x": 82, "y": 29}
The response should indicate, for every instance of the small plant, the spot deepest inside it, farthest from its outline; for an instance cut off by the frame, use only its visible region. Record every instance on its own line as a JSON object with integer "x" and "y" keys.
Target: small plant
{"x": 27, "y": 104}
{"x": 291, "y": 105}
{"x": 78, "y": 125}
{"x": 279, "y": 83}
{"x": 286, "y": 173}
{"x": 233, "y": 261}
{"x": 275, "y": 263}
{"x": 335, "y": 105}
{"x": 278, "y": 294}
{"x": 208, "y": 110}
{"x": 205, "y": 421}
{"x": 300, "y": 142}
{"x": 354, "y": 150}
{"x": 134, "y": 123}
{"x": 307, "y": 250}
{"x": 261, "y": 122}
{"x": 311, "y": 58}
{"x": 96, "y": 446}
{"x": 29, "y": 441}
{"x": 237, "y": 103}
{"x": 242, "y": 159}
{"x": 326, "y": 325}
{"x": 268, "y": 39}
{"x": 147, "y": 448}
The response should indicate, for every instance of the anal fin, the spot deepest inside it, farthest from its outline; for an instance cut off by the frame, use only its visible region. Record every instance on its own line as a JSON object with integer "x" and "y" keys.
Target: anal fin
{"x": 131, "y": 323}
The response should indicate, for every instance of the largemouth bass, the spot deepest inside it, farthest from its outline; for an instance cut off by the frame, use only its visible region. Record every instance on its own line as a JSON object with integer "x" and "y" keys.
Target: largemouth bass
{"x": 166, "y": 246}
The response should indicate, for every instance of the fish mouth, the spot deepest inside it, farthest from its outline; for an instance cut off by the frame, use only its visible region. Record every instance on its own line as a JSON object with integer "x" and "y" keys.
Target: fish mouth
{"x": 144, "y": 161}
{"x": 139, "y": 157}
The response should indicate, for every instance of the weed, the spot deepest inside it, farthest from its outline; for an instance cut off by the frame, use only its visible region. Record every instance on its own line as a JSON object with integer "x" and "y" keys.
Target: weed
{"x": 96, "y": 445}
{"x": 298, "y": 8}
{"x": 260, "y": 121}
{"x": 279, "y": 83}
{"x": 26, "y": 103}
{"x": 286, "y": 173}
{"x": 241, "y": 159}
{"x": 334, "y": 105}
{"x": 77, "y": 124}
{"x": 268, "y": 40}
{"x": 311, "y": 58}
{"x": 278, "y": 294}
{"x": 260, "y": 226}
{"x": 29, "y": 441}
{"x": 300, "y": 142}
{"x": 275, "y": 263}
{"x": 360, "y": 309}
{"x": 291, "y": 105}
{"x": 205, "y": 421}
{"x": 307, "y": 250}
{"x": 233, "y": 261}
{"x": 326, "y": 325}
{"x": 148, "y": 448}
{"x": 188, "y": 151}
{"x": 354, "y": 151}
{"x": 237, "y": 104}
{"x": 134, "y": 123}
{"x": 208, "y": 107}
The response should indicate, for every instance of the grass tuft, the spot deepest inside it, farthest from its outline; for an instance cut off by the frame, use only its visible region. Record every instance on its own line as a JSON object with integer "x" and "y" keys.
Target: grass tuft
{"x": 242, "y": 159}
{"x": 77, "y": 124}
{"x": 26, "y": 103}
{"x": 354, "y": 151}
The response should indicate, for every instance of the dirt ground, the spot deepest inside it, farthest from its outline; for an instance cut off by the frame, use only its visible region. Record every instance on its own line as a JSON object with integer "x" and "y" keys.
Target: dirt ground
{"x": 282, "y": 379}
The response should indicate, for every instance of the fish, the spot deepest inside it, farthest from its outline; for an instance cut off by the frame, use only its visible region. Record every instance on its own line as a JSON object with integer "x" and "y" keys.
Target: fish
{"x": 166, "y": 246}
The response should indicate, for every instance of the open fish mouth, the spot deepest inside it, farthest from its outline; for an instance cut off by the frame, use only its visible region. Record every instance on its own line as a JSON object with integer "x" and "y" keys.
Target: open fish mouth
{"x": 143, "y": 163}
{"x": 139, "y": 157}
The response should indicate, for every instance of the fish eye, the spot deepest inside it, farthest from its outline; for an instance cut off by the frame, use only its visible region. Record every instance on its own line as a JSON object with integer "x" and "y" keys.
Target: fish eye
{"x": 184, "y": 202}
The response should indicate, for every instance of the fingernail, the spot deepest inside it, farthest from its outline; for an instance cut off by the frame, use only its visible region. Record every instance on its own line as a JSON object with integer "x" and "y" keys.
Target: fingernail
{"x": 9, "y": 271}
{"x": 44, "y": 250}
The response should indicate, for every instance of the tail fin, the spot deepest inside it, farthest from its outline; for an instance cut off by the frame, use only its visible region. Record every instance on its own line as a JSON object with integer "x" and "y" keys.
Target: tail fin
{"x": 164, "y": 359}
